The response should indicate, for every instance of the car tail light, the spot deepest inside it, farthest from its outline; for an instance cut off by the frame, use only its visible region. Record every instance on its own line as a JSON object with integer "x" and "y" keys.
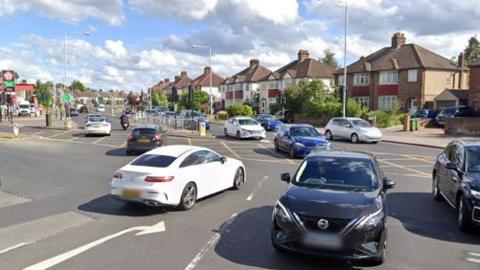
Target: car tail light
{"x": 158, "y": 179}
{"x": 129, "y": 138}
{"x": 158, "y": 138}
{"x": 117, "y": 175}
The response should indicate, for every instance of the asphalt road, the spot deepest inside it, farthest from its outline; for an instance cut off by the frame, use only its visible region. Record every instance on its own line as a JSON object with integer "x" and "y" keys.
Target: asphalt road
{"x": 54, "y": 203}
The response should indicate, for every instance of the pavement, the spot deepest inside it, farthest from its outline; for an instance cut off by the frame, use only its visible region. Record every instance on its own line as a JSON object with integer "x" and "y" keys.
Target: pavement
{"x": 57, "y": 214}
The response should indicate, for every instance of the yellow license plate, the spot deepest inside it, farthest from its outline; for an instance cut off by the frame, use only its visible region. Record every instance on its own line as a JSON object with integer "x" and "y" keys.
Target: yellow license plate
{"x": 132, "y": 194}
{"x": 144, "y": 141}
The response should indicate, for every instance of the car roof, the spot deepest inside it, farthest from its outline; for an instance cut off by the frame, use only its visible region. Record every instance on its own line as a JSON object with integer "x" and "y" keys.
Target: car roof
{"x": 347, "y": 118}
{"x": 469, "y": 142}
{"x": 342, "y": 154}
{"x": 175, "y": 150}
{"x": 298, "y": 125}
{"x": 241, "y": 117}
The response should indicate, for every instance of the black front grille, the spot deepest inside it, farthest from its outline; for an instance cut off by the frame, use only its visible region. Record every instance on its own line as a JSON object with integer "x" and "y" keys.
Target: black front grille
{"x": 335, "y": 225}
{"x": 476, "y": 214}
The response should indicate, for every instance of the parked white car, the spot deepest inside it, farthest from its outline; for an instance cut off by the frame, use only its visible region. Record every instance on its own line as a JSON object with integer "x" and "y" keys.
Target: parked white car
{"x": 101, "y": 108}
{"x": 97, "y": 126}
{"x": 353, "y": 129}
{"x": 244, "y": 127}
{"x": 176, "y": 175}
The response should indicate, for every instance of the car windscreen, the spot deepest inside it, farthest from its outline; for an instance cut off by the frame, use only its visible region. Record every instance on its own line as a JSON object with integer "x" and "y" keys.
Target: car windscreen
{"x": 96, "y": 119}
{"x": 336, "y": 173}
{"x": 246, "y": 122}
{"x": 473, "y": 159}
{"x": 159, "y": 161}
{"x": 303, "y": 132}
{"x": 24, "y": 106}
{"x": 361, "y": 123}
{"x": 143, "y": 132}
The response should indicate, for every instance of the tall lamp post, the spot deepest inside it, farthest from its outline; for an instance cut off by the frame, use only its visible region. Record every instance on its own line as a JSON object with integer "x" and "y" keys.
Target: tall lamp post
{"x": 67, "y": 113}
{"x": 211, "y": 72}
{"x": 344, "y": 90}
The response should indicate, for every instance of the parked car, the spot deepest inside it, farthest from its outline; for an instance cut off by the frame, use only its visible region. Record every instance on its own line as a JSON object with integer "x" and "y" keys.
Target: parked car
{"x": 144, "y": 138}
{"x": 23, "y": 108}
{"x": 286, "y": 116}
{"x": 97, "y": 126}
{"x": 268, "y": 122}
{"x": 33, "y": 110}
{"x": 92, "y": 115}
{"x": 335, "y": 206}
{"x": 73, "y": 112}
{"x": 83, "y": 109}
{"x": 450, "y": 112}
{"x": 456, "y": 178}
{"x": 354, "y": 129}
{"x": 197, "y": 116}
{"x": 168, "y": 114}
{"x": 425, "y": 114}
{"x": 299, "y": 140}
{"x": 243, "y": 127}
{"x": 152, "y": 112}
{"x": 176, "y": 175}
{"x": 101, "y": 108}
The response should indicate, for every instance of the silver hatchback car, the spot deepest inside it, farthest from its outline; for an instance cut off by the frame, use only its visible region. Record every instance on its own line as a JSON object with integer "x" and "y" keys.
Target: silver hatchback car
{"x": 353, "y": 129}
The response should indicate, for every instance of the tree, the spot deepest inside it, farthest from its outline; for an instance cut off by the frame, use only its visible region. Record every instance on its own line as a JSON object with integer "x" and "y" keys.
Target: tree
{"x": 159, "y": 99}
{"x": 199, "y": 98}
{"x": 472, "y": 51}
{"x": 329, "y": 59}
{"x": 299, "y": 97}
{"x": 77, "y": 85}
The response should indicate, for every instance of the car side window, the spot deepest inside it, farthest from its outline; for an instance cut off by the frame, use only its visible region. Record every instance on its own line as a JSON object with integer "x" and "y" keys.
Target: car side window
{"x": 210, "y": 156}
{"x": 451, "y": 153}
{"x": 336, "y": 122}
{"x": 193, "y": 159}
{"x": 460, "y": 157}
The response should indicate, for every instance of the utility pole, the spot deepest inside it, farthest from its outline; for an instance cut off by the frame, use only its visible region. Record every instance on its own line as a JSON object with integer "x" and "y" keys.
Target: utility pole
{"x": 211, "y": 74}
{"x": 344, "y": 90}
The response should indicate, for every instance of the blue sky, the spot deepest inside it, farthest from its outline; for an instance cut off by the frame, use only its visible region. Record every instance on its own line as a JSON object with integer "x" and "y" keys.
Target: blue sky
{"x": 135, "y": 43}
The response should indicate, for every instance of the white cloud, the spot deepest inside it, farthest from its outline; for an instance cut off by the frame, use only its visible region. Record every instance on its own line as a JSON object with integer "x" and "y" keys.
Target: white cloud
{"x": 181, "y": 9}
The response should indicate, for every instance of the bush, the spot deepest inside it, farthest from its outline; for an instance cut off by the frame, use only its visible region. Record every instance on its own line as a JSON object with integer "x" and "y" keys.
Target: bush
{"x": 387, "y": 119}
{"x": 222, "y": 115}
{"x": 333, "y": 108}
{"x": 239, "y": 109}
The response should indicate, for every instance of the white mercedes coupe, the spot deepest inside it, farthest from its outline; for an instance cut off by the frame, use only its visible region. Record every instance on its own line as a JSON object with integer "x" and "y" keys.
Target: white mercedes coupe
{"x": 176, "y": 175}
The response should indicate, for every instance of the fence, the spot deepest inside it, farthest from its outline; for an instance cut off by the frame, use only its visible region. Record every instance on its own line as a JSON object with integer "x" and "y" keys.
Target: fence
{"x": 167, "y": 122}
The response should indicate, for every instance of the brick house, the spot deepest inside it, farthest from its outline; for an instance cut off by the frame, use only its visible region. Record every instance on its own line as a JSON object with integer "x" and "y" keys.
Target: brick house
{"x": 202, "y": 83}
{"x": 402, "y": 73}
{"x": 303, "y": 68}
{"x": 474, "y": 97}
{"x": 180, "y": 83}
{"x": 242, "y": 86}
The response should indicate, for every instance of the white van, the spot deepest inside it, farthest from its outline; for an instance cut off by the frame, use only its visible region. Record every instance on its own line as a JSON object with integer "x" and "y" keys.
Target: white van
{"x": 23, "y": 108}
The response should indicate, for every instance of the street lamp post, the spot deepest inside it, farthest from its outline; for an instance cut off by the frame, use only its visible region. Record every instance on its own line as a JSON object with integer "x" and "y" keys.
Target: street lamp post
{"x": 210, "y": 75}
{"x": 344, "y": 90}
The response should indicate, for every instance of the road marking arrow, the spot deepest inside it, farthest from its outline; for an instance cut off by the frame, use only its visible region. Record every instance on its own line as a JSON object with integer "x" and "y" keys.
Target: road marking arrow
{"x": 159, "y": 227}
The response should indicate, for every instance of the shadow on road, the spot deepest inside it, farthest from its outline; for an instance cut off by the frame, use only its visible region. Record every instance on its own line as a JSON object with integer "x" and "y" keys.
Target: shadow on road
{"x": 243, "y": 245}
{"x": 420, "y": 214}
{"x": 269, "y": 152}
{"x": 117, "y": 152}
{"x": 106, "y": 205}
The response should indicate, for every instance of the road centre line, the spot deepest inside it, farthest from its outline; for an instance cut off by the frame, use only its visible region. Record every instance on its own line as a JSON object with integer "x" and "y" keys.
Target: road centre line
{"x": 419, "y": 159}
{"x": 254, "y": 191}
{"x": 212, "y": 242}
{"x": 230, "y": 149}
{"x": 403, "y": 167}
{"x": 79, "y": 142}
{"x": 99, "y": 140}
{"x": 14, "y": 247}
{"x": 59, "y": 134}
{"x": 474, "y": 254}
{"x": 472, "y": 260}
{"x": 274, "y": 153}
{"x": 74, "y": 138}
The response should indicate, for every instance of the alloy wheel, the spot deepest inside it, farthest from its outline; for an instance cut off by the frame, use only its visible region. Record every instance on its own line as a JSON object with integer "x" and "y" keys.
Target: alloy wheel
{"x": 239, "y": 177}
{"x": 189, "y": 196}
{"x": 354, "y": 138}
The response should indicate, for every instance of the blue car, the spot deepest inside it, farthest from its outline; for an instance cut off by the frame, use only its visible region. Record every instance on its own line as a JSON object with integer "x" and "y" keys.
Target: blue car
{"x": 299, "y": 140}
{"x": 268, "y": 121}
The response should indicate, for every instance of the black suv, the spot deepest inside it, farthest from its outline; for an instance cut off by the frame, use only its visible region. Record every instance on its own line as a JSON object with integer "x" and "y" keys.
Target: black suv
{"x": 335, "y": 206}
{"x": 456, "y": 178}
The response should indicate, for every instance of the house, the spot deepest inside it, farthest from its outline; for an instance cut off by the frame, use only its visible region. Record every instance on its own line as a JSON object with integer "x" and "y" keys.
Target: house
{"x": 202, "y": 83}
{"x": 402, "y": 73}
{"x": 451, "y": 98}
{"x": 242, "y": 86}
{"x": 474, "y": 98}
{"x": 303, "y": 68}
{"x": 180, "y": 84}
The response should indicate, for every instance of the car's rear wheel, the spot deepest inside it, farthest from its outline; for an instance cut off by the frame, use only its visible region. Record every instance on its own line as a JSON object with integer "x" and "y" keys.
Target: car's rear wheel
{"x": 238, "y": 135}
{"x": 328, "y": 135}
{"x": 435, "y": 189}
{"x": 354, "y": 138}
{"x": 189, "y": 197}
{"x": 291, "y": 152}
{"x": 130, "y": 152}
{"x": 464, "y": 219}
{"x": 239, "y": 178}
{"x": 225, "y": 132}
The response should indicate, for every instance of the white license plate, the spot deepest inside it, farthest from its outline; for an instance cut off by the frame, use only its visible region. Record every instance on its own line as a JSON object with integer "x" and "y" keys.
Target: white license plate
{"x": 322, "y": 240}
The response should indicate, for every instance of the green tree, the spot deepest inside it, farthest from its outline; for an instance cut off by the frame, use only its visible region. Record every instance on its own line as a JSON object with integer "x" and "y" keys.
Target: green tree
{"x": 159, "y": 99}
{"x": 301, "y": 96}
{"x": 472, "y": 51}
{"x": 199, "y": 98}
{"x": 78, "y": 85}
{"x": 239, "y": 109}
{"x": 329, "y": 59}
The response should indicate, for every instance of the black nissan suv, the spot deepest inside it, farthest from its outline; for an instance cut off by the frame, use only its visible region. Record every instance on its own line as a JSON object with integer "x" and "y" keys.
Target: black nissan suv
{"x": 456, "y": 178}
{"x": 335, "y": 206}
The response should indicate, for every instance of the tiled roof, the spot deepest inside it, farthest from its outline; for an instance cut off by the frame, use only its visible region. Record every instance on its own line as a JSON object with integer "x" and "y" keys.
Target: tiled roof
{"x": 182, "y": 82}
{"x": 204, "y": 79}
{"x": 308, "y": 68}
{"x": 254, "y": 73}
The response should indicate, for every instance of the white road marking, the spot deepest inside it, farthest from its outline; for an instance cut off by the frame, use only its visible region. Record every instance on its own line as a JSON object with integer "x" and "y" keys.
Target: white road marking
{"x": 99, "y": 140}
{"x": 265, "y": 141}
{"x": 254, "y": 191}
{"x": 230, "y": 149}
{"x": 35, "y": 230}
{"x": 14, "y": 247}
{"x": 74, "y": 138}
{"x": 275, "y": 153}
{"x": 159, "y": 227}
{"x": 212, "y": 242}
{"x": 474, "y": 254}
{"x": 8, "y": 199}
{"x": 58, "y": 134}
{"x": 473, "y": 260}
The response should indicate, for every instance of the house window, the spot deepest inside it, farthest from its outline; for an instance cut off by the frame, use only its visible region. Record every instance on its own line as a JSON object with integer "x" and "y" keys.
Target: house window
{"x": 361, "y": 79}
{"x": 412, "y": 75}
{"x": 385, "y": 103}
{"x": 363, "y": 100}
{"x": 272, "y": 100}
{"x": 389, "y": 77}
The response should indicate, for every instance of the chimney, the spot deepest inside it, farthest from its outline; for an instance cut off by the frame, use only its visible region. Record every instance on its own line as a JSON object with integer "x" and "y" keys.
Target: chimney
{"x": 302, "y": 55}
{"x": 398, "y": 39}
{"x": 254, "y": 63}
{"x": 461, "y": 67}
{"x": 167, "y": 80}
{"x": 177, "y": 78}
{"x": 183, "y": 74}
{"x": 207, "y": 70}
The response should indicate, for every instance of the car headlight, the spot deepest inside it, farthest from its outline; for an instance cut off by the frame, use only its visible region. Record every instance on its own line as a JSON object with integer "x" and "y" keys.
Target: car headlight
{"x": 245, "y": 131}
{"x": 281, "y": 213}
{"x": 371, "y": 220}
{"x": 298, "y": 145}
{"x": 475, "y": 194}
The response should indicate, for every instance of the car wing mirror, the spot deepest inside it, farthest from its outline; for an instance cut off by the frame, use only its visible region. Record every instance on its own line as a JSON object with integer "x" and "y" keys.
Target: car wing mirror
{"x": 388, "y": 183}
{"x": 223, "y": 160}
{"x": 285, "y": 177}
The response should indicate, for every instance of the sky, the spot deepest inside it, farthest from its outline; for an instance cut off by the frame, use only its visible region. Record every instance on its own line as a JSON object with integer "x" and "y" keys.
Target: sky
{"x": 133, "y": 44}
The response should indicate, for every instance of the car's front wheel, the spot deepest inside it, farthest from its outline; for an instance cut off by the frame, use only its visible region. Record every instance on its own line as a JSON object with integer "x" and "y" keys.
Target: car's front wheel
{"x": 354, "y": 138}
{"x": 238, "y": 135}
{"x": 225, "y": 132}
{"x": 464, "y": 219}
{"x": 435, "y": 189}
{"x": 291, "y": 152}
{"x": 189, "y": 197}
{"x": 328, "y": 135}
{"x": 239, "y": 178}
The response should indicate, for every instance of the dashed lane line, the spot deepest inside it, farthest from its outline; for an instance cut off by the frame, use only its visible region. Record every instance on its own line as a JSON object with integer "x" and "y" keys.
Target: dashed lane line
{"x": 419, "y": 159}
{"x": 275, "y": 153}
{"x": 211, "y": 243}
{"x": 80, "y": 142}
{"x": 14, "y": 247}
{"x": 230, "y": 149}
{"x": 254, "y": 191}
{"x": 100, "y": 140}
{"x": 59, "y": 134}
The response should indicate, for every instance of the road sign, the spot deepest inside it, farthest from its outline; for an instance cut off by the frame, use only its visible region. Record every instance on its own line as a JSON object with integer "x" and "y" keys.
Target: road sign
{"x": 66, "y": 97}
{"x": 8, "y": 77}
